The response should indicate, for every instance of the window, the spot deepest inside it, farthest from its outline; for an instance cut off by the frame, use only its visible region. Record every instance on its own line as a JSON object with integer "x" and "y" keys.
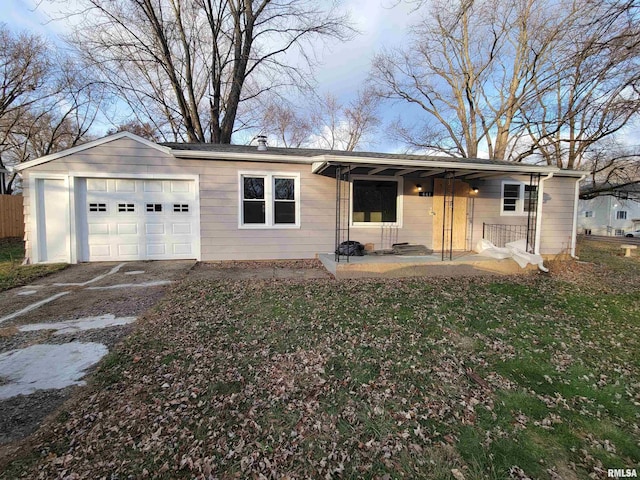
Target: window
{"x": 619, "y": 232}
{"x": 375, "y": 201}
{"x": 587, "y": 231}
{"x": 512, "y": 198}
{"x": 530, "y": 198}
{"x": 180, "y": 207}
{"x": 588, "y": 214}
{"x": 154, "y": 207}
{"x": 284, "y": 201}
{"x": 126, "y": 207}
{"x": 97, "y": 207}
{"x": 269, "y": 200}
{"x": 621, "y": 215}
{"x": 518, "y": 198}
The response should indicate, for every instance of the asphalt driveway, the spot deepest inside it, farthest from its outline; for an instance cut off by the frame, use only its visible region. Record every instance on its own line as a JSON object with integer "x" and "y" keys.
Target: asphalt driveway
{"x": 85, "y": 309}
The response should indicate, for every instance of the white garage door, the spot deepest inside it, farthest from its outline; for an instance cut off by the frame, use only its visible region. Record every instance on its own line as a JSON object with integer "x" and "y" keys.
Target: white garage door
{"x": 140, "y": 219}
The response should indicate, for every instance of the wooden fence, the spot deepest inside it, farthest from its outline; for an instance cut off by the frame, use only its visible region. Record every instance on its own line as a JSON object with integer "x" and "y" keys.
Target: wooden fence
{"x": 11, "y": 216}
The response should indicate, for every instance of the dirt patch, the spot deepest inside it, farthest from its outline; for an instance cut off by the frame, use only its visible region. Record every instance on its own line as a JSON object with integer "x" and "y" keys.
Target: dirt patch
{"x": 263, "y": 270}
{"x": 20, "y": 416}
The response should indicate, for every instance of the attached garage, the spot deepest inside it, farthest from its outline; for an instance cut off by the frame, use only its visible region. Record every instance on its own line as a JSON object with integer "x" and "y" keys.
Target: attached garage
{"x": 132, "y": 219}
{"x": 116, "y": 219}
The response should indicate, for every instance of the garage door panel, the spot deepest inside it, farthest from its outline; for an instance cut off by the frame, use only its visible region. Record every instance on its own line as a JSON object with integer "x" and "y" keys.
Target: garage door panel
{"x": 138, "y": 219}
{"x": 154, "y": 228}
{"x": 127, "y": 186}
{"x": 99, "y": 252}
{"x": 125, "y": 250}
{"x": 156, "y": 249}
{"x": 127, "y": 229}
{"x": 182, "y": 248}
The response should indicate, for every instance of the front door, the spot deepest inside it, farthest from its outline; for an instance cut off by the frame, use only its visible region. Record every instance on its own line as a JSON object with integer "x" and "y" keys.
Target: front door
{"x": 448, "y": 225}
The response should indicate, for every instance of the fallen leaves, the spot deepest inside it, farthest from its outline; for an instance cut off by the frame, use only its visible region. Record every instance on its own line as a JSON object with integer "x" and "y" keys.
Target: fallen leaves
{"x": 368, "y": 378}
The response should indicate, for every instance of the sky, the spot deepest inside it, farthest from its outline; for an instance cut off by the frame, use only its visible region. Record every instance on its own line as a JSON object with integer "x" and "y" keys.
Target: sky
{"x": 344, "y": 66}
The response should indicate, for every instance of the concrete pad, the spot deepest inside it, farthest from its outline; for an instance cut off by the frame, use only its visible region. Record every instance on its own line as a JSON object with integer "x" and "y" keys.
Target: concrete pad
{"x": 71, "y": 326}
{"x": 394, "y": 266}
{"x": 41, "y": 367}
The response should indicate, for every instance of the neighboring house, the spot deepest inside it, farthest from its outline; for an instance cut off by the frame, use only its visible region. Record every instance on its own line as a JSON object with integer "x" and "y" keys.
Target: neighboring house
{"x": 126, "y": 198}
{"x": 608, "y": 215}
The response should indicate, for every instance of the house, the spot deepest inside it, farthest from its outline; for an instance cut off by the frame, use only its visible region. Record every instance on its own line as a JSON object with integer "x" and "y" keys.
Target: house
{"x": 125, "y": 198}
{"x": 612, "y": 215}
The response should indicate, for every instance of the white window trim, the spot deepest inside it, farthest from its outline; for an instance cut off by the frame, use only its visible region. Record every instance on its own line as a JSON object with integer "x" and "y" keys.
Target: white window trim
{"x": 269, "y": 200}
{"x": 398, "y": 222}
{"x": 519, "y": 211}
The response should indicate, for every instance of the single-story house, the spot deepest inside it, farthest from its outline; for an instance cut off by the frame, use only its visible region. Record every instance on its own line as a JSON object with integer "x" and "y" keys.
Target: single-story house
{"x": 125, "y": 198}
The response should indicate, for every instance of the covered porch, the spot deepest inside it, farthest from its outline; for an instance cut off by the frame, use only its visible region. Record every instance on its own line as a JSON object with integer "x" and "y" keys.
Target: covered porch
{"x": 444, "y": 204}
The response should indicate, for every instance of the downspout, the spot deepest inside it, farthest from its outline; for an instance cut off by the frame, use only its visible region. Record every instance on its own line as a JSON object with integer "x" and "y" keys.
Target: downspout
{"x": 536, "y": 249}
{"x": 575, "y": 217}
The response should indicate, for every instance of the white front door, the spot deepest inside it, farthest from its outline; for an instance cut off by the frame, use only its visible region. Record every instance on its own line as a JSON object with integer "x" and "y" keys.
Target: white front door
{"x": 134, "y": 219}
{"x": 52, "y": 210}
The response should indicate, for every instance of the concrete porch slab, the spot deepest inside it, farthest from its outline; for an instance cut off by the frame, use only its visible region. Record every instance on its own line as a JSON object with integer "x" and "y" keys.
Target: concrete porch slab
{"x": 397, "y": 266}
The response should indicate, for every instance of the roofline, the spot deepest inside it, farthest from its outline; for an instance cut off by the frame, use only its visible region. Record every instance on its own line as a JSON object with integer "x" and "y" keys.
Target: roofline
{"x": 320, "y": 161}
{"x": 325, "y": 160}
{"x": 85, "y": 146}
{"x": 256, "y": 157}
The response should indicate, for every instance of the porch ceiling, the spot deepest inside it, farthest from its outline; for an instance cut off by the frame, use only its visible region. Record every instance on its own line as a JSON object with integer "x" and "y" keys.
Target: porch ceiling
{"x": 460, "y": 171}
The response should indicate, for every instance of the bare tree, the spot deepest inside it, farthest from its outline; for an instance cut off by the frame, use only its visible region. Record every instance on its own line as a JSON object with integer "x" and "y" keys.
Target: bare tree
{"x": 189, "y": 67}
{"x": 468, "y": 70}
{"x": 48, "y": 104}
{"x": 287, "y": 125}
{"x": 525, "y": 79}
{"x": 326, "y": 122}
{"x": 589, "y": 92}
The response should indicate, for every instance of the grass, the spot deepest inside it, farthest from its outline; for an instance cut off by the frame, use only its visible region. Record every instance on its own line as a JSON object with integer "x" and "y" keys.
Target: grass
{"x": 494, "y": 378}
{"x": 12, "y": 273}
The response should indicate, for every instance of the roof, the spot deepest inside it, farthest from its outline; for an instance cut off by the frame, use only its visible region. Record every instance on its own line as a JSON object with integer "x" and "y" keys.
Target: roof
{"x": 317, "y": 152}
{"x": 325, "y": 162}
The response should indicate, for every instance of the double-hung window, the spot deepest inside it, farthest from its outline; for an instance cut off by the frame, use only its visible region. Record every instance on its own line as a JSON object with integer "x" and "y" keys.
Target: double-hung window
{"x": 269, "y": 200}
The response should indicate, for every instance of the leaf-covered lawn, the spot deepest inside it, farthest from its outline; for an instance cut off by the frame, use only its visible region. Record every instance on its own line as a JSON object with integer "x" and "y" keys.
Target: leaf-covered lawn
{"x": 504, "y": 377}
{"x": 12, "y": 273}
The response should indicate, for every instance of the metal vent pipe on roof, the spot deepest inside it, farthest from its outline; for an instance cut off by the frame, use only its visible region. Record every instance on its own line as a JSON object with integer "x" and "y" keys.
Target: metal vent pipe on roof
{"x": 262, "y": 143}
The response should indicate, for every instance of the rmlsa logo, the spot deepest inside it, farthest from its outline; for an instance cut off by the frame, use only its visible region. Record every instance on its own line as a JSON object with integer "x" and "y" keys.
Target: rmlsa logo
{"x": 622, "y": 473}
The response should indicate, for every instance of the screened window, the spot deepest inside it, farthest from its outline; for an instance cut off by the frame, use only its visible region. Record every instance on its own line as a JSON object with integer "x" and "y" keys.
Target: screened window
{"x": 621, "y": 215}
{"x": 269, "y": 200}
{"x": 375, "y": 201}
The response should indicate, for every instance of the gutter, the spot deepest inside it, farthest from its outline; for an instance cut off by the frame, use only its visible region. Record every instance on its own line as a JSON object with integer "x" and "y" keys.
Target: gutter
{"x": 575, "y": 217}
{"x": 246, "y": 157}
{"x": 536, "y": 250}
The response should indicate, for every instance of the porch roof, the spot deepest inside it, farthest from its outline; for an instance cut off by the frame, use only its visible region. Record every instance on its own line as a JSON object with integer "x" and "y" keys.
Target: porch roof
{"x": 324, "y": 162}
